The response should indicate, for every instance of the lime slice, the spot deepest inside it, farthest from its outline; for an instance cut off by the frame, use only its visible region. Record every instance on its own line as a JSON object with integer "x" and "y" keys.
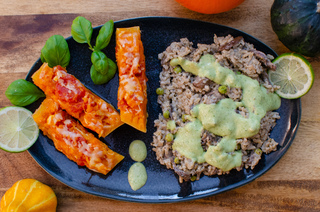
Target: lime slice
{"x": 18, "y": 130}
{"x": 293, "y": 74}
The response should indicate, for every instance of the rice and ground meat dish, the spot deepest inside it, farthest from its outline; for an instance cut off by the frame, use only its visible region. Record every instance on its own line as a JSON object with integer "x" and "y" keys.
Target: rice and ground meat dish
{"x": 182, "y": 91}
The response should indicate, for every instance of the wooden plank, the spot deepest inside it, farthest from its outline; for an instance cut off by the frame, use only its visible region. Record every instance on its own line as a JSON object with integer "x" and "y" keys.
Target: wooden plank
{"x": 28, "y": 7}
{"x": 293, "y": 184}
{"x": 6, "y": 79}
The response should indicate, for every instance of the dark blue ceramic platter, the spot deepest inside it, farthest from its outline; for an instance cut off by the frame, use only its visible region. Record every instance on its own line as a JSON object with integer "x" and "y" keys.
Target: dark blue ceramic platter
{"x": 162, "y": 184}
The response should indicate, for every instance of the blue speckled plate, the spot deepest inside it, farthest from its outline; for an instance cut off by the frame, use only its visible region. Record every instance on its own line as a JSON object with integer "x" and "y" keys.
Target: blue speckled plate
{"x": 162, "y": 184}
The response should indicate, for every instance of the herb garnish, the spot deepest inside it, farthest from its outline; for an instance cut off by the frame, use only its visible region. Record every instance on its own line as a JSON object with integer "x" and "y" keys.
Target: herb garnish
{"x": 103, "y": 69}
{"x": 22, "y": 93}
{"x": 56, "y": 52}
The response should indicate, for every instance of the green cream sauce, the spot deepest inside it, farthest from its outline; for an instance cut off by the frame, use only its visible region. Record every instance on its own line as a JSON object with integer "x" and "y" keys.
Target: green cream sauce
{"x": 188, "y": 141}
{"x": 223, "y": 155}
{"x": 221, "y": 118}
{"x": 138, "y": 150}
{"x": 137, "y": 176}
{"x": 171, "y": 125}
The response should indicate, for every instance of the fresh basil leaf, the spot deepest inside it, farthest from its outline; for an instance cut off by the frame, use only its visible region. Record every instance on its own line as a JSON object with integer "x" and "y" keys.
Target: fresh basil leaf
{"x": 56, "y": 51}
{"x": 112, "y": 68}
{"x": 42, "y": 58}
{"x": 99, "y": 78}
{"x": 81, "y": 30}
{"x": 104, "y": 35}
{"x": 23, "y": 93}
{"x": 100, "y": 62}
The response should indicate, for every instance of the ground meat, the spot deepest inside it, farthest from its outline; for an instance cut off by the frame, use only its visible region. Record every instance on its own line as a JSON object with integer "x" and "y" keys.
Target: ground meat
{"x": 182, "y": 91}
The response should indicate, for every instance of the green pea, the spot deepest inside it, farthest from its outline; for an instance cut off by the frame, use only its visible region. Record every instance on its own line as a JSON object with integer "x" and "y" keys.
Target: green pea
{"x": 223, "y": 89}
{"x": 258, "y": 151}
{"x": 169, "y": 137}
{"x": 176, "y": 160}
{"x": 160, "y": 91}
{"x": 184, "y": 117}
{"x": 193, "y": 178}
{"x": 177, "y": 69}
{"x": 166, "y": 114}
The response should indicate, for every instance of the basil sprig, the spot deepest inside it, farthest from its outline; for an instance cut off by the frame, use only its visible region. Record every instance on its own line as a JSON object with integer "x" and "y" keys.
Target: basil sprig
{"x": 81, "y": 30}
{"x": 99, "y": 78}
{"x": 56, "y": 51}
{"x": 23, "y": 93}
{"x": 100, "y": 62}
{"x": 104, "y": 36}
{"x": 103, "y": 69}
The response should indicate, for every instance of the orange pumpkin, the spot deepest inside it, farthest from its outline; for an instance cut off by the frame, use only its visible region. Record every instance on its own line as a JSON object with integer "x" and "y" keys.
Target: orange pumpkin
{"x": 71, "y": 95}
{"x": 132, "y": 92}
{"x": 73, "y": 140}
{"x": 210, "y": 6}
{"x": 29, "y": 195}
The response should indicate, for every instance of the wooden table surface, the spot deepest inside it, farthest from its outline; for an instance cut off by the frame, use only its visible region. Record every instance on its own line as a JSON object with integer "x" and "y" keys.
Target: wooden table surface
{"x": 293, "y": 184}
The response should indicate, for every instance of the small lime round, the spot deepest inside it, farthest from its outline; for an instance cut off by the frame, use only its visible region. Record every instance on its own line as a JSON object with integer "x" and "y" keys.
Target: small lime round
{"x": 18, "y": 130}
{"x": 293, "y": 74}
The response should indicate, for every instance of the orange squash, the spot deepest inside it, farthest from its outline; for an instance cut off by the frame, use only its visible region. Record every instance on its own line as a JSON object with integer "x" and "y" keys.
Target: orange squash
{"x": 210, "y": 6}
{"x": 132, "y": 92}
{"x": 29, "y": 195}
{"x": 73, "y": 140}
{"x": 72, "y": 96}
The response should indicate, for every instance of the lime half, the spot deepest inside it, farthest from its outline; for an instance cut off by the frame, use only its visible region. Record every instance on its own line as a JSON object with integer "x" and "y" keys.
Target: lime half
{"x": 293, "y": 74}
{"x": 18, "y": 130}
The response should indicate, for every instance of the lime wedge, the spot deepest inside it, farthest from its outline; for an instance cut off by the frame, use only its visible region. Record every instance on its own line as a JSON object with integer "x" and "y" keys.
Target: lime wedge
{"x": 18, "y": 130}
{"x": 293, "y": 74}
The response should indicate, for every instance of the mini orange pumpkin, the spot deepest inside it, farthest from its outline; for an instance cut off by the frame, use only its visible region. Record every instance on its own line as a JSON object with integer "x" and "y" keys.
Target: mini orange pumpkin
{"x": 210, "y": 6}
{"x": 29, "y": 195}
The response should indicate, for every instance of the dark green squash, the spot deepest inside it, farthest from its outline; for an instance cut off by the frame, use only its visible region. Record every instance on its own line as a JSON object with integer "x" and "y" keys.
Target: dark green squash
{"x": 297, "y": 24}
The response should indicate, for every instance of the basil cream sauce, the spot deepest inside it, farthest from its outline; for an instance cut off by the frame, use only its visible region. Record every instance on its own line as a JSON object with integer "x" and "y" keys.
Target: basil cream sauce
{"x": 138, "y": 150}
{"x": 137, "y": 175}
{"x": 221, "y": 118}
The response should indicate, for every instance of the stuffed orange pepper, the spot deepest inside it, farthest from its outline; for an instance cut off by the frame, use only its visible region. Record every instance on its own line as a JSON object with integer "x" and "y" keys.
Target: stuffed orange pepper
{"x": 72, "y": 96}
{"x": 73, "y": 140}
{"x": 132, "y": 92}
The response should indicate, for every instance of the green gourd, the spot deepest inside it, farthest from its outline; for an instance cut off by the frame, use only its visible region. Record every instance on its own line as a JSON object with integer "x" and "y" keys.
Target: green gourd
{"x": 297, "y": 24}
